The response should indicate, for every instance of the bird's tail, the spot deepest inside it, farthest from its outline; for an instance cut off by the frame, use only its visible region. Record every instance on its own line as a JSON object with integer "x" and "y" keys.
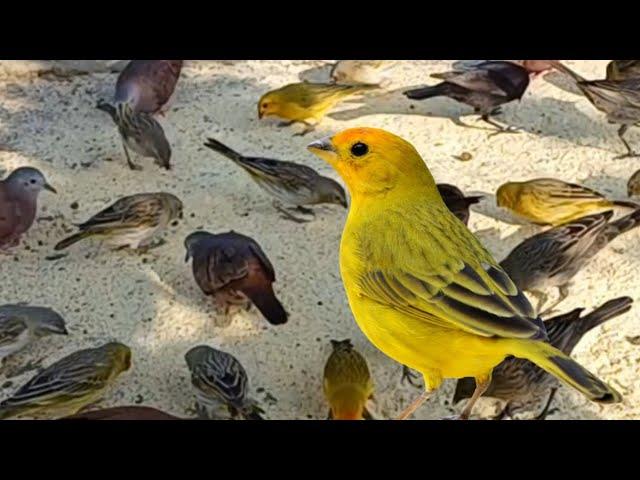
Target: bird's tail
{"x": 269, "y": 306}
{"x": 626, "y": 204}
{"x": 76, "y": 237}
{"x": 107, "y": 107}
{"x": 12, "y": 411}
{"x": 472, "y": 200}
{"x": 427, "y": 92}
{"x": 564, "y": 368}
{"x": 606, "y": 311}
{"x": 253, "y": 413}
{"x": 220, "y": 147}
{"x": 564, "y": 69}
{"x": 622, "y": 225}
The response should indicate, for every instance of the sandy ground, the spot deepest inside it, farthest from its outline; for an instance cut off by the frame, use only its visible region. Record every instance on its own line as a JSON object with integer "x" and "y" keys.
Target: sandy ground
{"x": 151, "y": 302}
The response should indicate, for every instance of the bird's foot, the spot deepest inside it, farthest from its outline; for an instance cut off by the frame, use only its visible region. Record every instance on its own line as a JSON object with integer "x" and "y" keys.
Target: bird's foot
{"x": 307, "y": 129}
{"x": 288, "y": 215}
{"x": 630, "y": 154}
{"x": 507, "y": 129}
{"x": 306, "y": 211}
{"x": 286, "y": 124}
{"x": 151, "y": 246}
{"x": 409, "y": 376}
{"x": 454, "y": 417}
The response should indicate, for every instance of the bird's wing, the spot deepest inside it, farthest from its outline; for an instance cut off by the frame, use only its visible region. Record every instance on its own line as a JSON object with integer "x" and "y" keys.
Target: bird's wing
{"x": 264, "y": 261}
{"x": 474, "y": 80}
{"x": 226, "y": 263}
{"x": 127, "y": 212}
{"x": 564, "y": 190}
{"x": 318, "y": 94}
{"x": 8, "y": 214}
{"x": 11, "y": 327}
{"x": 287, "y": 173}
{"x": 148, "y": 84}
{"x": 224, "y": 378}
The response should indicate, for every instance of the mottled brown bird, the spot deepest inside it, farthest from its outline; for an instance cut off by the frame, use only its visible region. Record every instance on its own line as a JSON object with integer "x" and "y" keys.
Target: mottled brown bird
{"x": 221, "y": 385}
{"x": 288, "y": 182}
{"x": 456, "y": 202}
{"x": 633, "y": 185}
{"x": 623, "y": 69}
{"x": 347, "y": 383}
{"x": 369, "y": 72}
{"x": 553, "y": 257}
{"x": 523, "y": 385}
{"x": 619, "y": 100}
{"x": 19, "y": 203}
{"x": 234, "y": 269}
{"x": 131, "y": 221}
{"x": 133, "y": 412}
{"x": 148, "y": 85}
{"x": 485, "y": 88}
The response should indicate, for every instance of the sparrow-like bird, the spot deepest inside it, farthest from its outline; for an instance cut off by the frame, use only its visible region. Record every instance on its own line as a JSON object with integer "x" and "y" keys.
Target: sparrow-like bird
{"x": 148, "y": 85}
{"x": 288, "y": 182}
{"x": 22, "y": 324}
{"x": 234, "y": 269}
{"x": 633, "y": 185}
{"x": 306, "y": 102}
{"x": 140, "y": 132}
{"x": 523, "y": 385}
{"x": 355, "y": 72}
{"x": 619, "y": 100}
{"x": 130, "y": 222}
{"x": 456, "y": 202}
{"x": 347, "y": 383}
{"x": 548, "y": 201}
{"x": 221, "y": 385}
{"x": 485, "y": 88}
{"x": 70, "y": 384}
{"x": 553, "y": 257}
{"x": 19, "y": 203}
{"x": 133, "y": 412}
{"x": 623, "y": 69}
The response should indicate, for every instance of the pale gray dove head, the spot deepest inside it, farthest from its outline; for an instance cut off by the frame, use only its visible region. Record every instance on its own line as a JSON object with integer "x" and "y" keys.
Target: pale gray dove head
{"x": 28, "y": 180}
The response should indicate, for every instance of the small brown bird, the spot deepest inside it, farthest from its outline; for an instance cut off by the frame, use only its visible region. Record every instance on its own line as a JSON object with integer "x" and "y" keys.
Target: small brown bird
{"x": 221, "y": 385}
{"x": 70, "y": 384}
{"x": 133, "y": 412}
{"x": 234, "y": 269}
{"x": 623, "y": 69}
{"x": 368, "y": 72}
{"x": 19, "y": 203}
{"x": 522, "y": 384}
{"x": 456, "y": 202}
{"x": 548, "y": 201}
{"x": 633, "y": 185}
{"x": 485, "y": 88}
{"x": 553, "y": 257}
{"x": 288, "y": 182}
{"x": 22, "y": 324}
{"x": 347, "y": 383}
{"x": 619, "y": 100}
{"x": 148, "y": 85}
{"x": 130, "y": 222}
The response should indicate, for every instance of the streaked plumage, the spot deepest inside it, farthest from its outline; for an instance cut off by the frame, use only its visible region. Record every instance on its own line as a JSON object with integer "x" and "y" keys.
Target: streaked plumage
{"x": 306, "y": 102}
{"x": 368, "y": 72}
{"x": 623, "y": 69}
{"x": 553, "y": 257}
{"x": 133, "y": 412}
{"x": 485, "y": 88}
{"x": 421, "y": 286}
{"x": 456, "y": 202}
{"x": 347, "y": 382}
{"x": 548, "y": 201}
{"x": 288, "y": 182}
{"x": 633, "y": 185}
{"x": 523, "y": 385}
{"x": 148, "y": 85}
{"x": 236, "y": 272}
{"x": 22, "y": 324}
{"x": 619, "y": 100}
{"x": 131, "y": 221}
{"x": 19, "y": 203}
{"x": 221, "y": 385}
{"x": 70, "y": 384}
{"x": 141, "y": 133}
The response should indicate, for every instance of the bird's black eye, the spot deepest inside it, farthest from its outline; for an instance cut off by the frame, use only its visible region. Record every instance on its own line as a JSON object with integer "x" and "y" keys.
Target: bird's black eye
{"x": 359, "y": 149}
{"x": 32, "y": 181}
{"x": 265, "y": 105}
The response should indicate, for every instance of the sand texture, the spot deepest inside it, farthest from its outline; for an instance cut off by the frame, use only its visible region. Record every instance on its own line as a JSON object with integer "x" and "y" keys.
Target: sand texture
{"x": 151, "y": 302}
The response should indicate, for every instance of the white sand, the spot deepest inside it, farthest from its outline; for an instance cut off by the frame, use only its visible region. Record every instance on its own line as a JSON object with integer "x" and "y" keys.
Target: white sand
{"x": 151, "y": 302}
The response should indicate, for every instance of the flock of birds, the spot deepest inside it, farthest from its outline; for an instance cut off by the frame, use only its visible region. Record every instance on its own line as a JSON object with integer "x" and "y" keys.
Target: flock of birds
{"x": 236, "y": 272}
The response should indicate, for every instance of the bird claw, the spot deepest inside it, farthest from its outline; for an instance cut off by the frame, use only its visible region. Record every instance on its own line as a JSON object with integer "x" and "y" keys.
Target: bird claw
{"x": 409, "y": 376}
{"x": 453, "y": 417}
{"x": 627, "y": 155}
{"x": 505, "y": 130}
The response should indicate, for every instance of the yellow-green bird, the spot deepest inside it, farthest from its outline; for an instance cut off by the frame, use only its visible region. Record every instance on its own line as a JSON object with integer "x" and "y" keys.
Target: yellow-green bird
{"x": 548, "y": 201}
{"x": 421, "y": 286}
{"x": 70, "y": 384}
{"x": 347, "y": 383}
{"x": 306, "y": 102}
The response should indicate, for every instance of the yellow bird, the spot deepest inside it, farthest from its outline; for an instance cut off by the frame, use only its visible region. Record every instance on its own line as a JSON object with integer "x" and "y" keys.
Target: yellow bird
{"x": 306, "y": 102}
{"x": 548, "y": 201}
{"x": 421, "y": 286}
{"x": 347, "y": 382}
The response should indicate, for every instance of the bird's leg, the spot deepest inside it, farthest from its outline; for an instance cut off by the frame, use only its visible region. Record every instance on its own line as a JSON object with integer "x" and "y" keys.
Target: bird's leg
{"x": 132, "y": 165}
{"x": 286, "y": 214}
{"x": 545, "y": 411}
{"x": 500, "y": 128}
{"x": 286, "y": 124}
{"x": 330, "y": 415}
{"x": 413, "y": 406}
{"x": 409, "y": 376}
{"x": 563, "y": 293}
{"x": 308, "y": 128}
{"x": 630, "y": 153}
{"x": 306, "y": 211}
{"x": 481, "y": 386}
{"x": 505, "y": 412}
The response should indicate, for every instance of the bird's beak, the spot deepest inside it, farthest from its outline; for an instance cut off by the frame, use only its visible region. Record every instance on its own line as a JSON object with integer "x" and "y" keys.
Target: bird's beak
{"x": 260, "y": 114}
{"x": 324, "y": 149}
{"x": 187, "y": 256}
{"x": 64, "y": 331}
{"x": 50, "y": 188}
{"x": 345, "y": 204}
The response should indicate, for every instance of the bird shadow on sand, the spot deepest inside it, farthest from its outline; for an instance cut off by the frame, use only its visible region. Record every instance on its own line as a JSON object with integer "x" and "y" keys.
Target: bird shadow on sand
{"x": 613, "y": 187}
